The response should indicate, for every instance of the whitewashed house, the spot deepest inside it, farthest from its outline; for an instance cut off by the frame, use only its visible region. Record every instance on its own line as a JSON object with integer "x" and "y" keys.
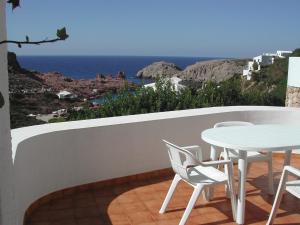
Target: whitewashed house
{"x": 263, "y": 60}
{"x": 174, "y": 81}
{"x": 283, "y": 54}
{"x": 247, "y": 71}
{"x": 66, "y": 95}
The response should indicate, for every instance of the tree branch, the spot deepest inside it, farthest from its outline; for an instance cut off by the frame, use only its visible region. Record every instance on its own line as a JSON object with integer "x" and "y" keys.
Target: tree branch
{"x": 31, "y": 42}
{"x": 60, "y": 33}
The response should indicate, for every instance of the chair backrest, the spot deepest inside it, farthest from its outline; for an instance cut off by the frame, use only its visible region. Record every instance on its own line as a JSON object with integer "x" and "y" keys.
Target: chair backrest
{"x": 215, "y": 151}
{"x": 232, "y": 123}
{"x": 180, "y": 159}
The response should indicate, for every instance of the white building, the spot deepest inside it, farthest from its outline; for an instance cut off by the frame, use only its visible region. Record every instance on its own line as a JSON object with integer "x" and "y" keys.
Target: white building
{"x": 263, "y": 60}
{"x": 66, "y": 95}
{"x": 283, "y": 54}
{"x": 174, "y": 81}
{"x": 248, "y": 70}
{"x": 60, "y": 112}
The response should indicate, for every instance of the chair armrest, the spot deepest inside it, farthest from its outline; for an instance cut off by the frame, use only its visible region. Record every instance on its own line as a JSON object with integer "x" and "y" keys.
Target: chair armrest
{"x": 216, "y": 163}
{"x": 195, "y": 150}
{"x": 292, "y": 170}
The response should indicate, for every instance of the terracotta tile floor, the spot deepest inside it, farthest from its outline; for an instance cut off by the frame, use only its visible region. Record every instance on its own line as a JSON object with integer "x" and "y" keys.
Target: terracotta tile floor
{"x": 139, "y": 203}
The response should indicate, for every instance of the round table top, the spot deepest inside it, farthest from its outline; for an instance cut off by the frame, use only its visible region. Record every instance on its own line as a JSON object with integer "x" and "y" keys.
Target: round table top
{"x": 270, "y": 137}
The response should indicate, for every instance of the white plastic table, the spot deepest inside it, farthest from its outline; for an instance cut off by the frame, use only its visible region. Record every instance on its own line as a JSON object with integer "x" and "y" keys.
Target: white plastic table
{"x": 271, "y": 137}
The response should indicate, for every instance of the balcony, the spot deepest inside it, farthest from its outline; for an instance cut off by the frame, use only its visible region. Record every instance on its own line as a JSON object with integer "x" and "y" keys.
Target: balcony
{"x": 134, "y": 200}
{"x": 115, "y": 170}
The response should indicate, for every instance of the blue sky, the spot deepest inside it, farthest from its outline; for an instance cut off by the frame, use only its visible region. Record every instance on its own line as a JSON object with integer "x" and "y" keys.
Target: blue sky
{"x": 213, "y": 28}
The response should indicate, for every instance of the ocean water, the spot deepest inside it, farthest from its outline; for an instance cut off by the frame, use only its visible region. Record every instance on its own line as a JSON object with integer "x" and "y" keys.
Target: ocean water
{"x": 83, "y": 67}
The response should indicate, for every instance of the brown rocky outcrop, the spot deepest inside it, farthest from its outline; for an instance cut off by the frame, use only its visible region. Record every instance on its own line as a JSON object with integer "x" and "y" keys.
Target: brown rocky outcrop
{"x": 158, "y": 69}
{"x": 214, "y": 70}
{"x": 13, "y": 64}
{"x": 87, "y": 88}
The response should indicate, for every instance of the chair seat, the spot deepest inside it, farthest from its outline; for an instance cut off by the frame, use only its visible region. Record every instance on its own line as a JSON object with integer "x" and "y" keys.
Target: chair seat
{"x": 251, "y": 156}
{"x": 293, "y": 187}
{"x": 206, "y": 175}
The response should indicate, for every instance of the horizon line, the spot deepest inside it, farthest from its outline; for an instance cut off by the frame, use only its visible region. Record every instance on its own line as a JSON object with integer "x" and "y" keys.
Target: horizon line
{"x": 170, "y": 56}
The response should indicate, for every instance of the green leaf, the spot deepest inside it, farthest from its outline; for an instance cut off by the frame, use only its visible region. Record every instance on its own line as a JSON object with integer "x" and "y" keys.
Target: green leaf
{"x": 14, "y": 3}
{"x": 1, "y": 100}
{"x": 62, "y": 33}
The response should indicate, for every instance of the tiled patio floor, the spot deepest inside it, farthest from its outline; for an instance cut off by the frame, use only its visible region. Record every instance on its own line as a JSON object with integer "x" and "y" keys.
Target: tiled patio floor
{"x": 139, "y": 202}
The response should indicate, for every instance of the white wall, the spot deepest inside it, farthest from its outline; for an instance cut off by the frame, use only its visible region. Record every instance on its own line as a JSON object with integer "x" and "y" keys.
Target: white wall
{"x": 56, "y": 156}
{"x": 264, "y": 60}
{"x": 7, "y": 207}
{"x": 283, "y": 54}
{"x": 294, "y": 72}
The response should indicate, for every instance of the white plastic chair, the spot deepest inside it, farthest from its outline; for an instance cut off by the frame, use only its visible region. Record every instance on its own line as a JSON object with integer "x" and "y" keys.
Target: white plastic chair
{"x": 187, "y": 167}
{"x": 292, "y": 187}
{"x": 251, "y": 156}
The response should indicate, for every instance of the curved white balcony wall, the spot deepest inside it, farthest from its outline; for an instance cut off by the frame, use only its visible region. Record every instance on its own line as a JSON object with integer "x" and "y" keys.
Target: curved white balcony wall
{"x": 51, "y": 157}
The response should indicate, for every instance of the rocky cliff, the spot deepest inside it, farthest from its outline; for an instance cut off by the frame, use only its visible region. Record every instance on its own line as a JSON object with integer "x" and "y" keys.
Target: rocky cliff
{"x": 215, "y": 70}
{"x": 21, "y": 79}
{"x": 13, "y": 64}
{"x": 158, "y": 69}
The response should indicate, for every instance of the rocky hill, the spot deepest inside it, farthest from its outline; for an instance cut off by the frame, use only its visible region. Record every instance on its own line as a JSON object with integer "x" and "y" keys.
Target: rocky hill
{"x": 21, "y": 79}
{"x": 13, "y": 64}
{"x": 215, "y": 70}
{"x": 158, "y": 69}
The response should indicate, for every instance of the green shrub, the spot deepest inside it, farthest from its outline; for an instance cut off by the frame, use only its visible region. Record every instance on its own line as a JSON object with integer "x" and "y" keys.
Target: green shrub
{"x": 255, "y": 65}
{"x": 164, "y": 98}
{"x": 57, "y": 120}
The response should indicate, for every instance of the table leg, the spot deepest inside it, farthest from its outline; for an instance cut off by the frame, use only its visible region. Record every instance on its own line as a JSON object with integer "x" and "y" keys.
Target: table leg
{"x": 287, "y": 157}
{"x": 242, "y": 166}
{"x": 213, "y": 153}
{"x": 226, "y": 157}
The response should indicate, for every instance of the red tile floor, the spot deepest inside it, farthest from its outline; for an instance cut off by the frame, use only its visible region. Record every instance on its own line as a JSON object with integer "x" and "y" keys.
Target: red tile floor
{"x": 138, "y": 202}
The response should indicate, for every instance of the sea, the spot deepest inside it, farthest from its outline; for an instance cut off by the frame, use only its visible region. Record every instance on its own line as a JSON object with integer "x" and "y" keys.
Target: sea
{"x": 86, "y": 67}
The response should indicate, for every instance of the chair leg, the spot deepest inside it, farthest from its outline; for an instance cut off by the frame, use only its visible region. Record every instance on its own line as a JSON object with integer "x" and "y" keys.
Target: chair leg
{"x": 171, "y": 190}
{"x": 270, "y": 174}
{"x": 287, "y": 157}
{"x": 208, "y": 193}
{"x": 197, "y": 191}
{"x": 278, "y": 198}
